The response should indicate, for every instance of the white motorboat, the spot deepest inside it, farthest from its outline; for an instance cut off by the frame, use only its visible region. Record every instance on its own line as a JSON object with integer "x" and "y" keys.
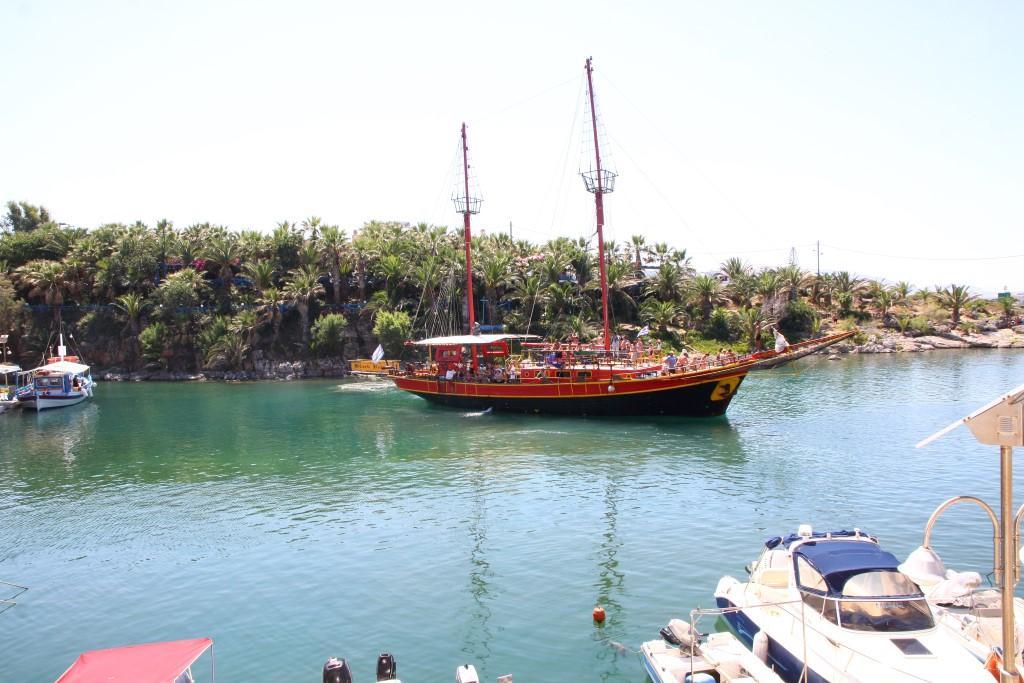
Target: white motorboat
{"x": 834, "y": 607}
{"x": 63, "y": 381}
{"x": 683, "y": 655}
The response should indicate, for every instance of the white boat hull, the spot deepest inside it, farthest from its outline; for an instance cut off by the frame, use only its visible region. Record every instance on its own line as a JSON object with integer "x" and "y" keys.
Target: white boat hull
{"x": 835, "y": 656}
{"x": 722, "y": 656}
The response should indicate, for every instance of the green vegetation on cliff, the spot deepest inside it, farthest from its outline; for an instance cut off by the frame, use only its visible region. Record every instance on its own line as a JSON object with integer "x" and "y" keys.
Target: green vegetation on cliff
{"x": 206, "y": 297}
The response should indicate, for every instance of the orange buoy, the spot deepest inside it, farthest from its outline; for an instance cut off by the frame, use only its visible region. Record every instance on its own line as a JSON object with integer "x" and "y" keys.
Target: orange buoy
{"x": 994, "y": 663}
{"x": 599, "y": 614}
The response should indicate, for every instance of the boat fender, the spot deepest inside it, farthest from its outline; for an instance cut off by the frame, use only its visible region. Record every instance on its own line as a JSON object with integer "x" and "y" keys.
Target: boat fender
{"x": 611, "y": 388}
{"x": 760, "y": 646}
{"x": 337, "y": 671}
{"x": 466, "y": 674}
{"x": 387, "y": 669}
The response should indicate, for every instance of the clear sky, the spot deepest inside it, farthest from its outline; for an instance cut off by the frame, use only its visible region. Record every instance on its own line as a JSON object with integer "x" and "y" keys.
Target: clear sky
{"x": 889, "y": 131}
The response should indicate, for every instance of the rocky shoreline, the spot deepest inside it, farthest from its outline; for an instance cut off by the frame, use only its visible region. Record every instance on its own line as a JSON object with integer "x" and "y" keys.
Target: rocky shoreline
{"x": 887, "y": 341}
{"x": 283, "y": 370}
{"x": 878, "y": 341}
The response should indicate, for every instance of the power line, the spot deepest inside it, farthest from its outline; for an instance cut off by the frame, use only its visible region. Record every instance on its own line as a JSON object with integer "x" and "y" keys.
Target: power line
{"x": 904, "y": 257}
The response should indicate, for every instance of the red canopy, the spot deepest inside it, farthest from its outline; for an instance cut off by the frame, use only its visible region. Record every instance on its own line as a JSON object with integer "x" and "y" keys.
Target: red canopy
{"x": 149, "y": 663}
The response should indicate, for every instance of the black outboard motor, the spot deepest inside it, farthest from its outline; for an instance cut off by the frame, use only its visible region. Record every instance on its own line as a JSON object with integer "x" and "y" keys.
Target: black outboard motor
{"x": 387, "y": 669}
{"x": 337, "y": 671}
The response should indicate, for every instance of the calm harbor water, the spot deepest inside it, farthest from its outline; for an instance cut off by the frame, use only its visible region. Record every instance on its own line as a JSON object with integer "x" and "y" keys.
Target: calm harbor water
{"x": 293, "y": 521}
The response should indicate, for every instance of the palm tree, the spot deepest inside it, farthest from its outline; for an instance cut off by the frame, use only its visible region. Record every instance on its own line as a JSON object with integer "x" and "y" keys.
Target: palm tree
{"x": 664, "y": 314}
{"x": 301, "y": 289}
{"x": 955, "y": 297}
{"x": 663, "y": 252}
{"x": 269, "y": 311}
{"x": 752, "y": 321}
{"x": 639, "y": 243}
{"x": 668, "y": 284}
{"x": 619, "y": 274}
{"x": 223, "y": 253}
{"x": 246, "y": 324}
{"x": 735, "y": 268}
{"x": 133, "y": 306}
{"x": 883, "y": 301}
{"x": 335, "y": 255}
{"x": 261, "y": 273}
{"x": 45, "y": 279}
{"x": 1006, "y": 303}
{"x": 901, "y": 291}
{"x": 494, "y": 269}
{"x": 792, "y": 278}
{"x": 708, "y": 291}
{"x": 312, "y": 226}
{"x": 529, "y": 289}
{"x": 393, "y": 269}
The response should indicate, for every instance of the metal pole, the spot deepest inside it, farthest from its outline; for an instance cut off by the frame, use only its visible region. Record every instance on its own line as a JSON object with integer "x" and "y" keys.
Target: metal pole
{"x": 467, "y": 236}
{"x": 599, "y": 206}
{"x": 1009, "y": 670}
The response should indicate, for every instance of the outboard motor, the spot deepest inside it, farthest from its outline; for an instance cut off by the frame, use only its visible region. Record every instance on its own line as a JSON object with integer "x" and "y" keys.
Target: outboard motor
{"x": 466, "y": 674}
{"x": 387, "y": 669}
{"x": 337, "y": 671}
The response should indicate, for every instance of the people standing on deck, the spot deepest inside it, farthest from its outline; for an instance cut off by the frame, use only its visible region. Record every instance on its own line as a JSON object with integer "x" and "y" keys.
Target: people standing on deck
{"x": 671, "y": 361}
{"x": 780, "y": 342}
{"x": 615, "y": 345}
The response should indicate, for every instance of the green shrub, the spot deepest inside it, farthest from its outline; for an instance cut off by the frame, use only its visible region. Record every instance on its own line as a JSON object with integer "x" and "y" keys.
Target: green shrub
{"x": 155, "y": 340}
{"x": 722, "y": 325}
{"x": 393, "y": 328}
{"x": 919, "y": 325}
{"x": 328, "y": 335}
{"x": 798, "y": 323}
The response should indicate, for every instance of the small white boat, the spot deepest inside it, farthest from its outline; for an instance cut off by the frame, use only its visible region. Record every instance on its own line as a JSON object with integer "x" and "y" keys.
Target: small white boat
{"x": 685, "y": 656}
{"x": 834, "y": 607}
{"x": 8, "y": 384}
{"x": 63, "y": 381}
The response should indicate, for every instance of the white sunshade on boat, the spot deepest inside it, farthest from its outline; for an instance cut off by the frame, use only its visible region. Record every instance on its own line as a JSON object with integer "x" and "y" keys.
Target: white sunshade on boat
{"x": 4, "y": 369}
{"x": 463, "y": 339}
{"x": 64, "y": 366}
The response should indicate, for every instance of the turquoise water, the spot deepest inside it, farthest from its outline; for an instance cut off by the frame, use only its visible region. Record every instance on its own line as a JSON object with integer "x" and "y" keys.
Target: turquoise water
{"x": 293, "y": 521}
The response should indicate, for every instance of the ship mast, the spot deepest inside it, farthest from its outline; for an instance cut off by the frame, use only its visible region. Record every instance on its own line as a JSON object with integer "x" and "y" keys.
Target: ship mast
{"x": 467, "y": 205}
{"x": 599, "y": 182}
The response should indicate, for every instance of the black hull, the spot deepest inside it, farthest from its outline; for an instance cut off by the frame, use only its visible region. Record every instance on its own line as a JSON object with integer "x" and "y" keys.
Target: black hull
{"x": 687, "y": 401}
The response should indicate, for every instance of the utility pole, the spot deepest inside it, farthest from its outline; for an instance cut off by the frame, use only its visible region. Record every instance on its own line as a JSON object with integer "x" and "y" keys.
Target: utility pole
{"x": 510, "y": 229}
{"x": 817, "y": 251}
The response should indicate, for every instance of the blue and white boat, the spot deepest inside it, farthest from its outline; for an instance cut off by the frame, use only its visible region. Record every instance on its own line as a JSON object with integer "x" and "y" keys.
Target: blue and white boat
{"x": 834, "y": 608}
{"x": 682, "y": 655}
{"x": 61, "y": 382}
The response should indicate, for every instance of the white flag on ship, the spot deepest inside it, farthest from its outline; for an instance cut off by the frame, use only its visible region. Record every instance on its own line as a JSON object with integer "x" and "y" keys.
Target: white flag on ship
{"x": 378, "y": 353}
{"x": 644, "y": 332}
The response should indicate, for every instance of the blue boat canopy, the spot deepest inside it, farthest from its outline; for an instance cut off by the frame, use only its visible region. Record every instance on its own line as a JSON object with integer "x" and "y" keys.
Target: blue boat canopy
{"x": 838, "y": 560}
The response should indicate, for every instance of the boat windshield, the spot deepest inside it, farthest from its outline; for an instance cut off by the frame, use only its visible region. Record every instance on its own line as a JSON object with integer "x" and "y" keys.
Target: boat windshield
{"x": 885, "y": 615}
{"x": 882, "y": 583}
{"x": 883, "y": 601}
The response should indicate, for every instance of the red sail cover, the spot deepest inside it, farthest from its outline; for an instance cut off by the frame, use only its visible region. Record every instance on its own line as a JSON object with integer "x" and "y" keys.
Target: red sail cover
{"x": 149, "y": 663}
